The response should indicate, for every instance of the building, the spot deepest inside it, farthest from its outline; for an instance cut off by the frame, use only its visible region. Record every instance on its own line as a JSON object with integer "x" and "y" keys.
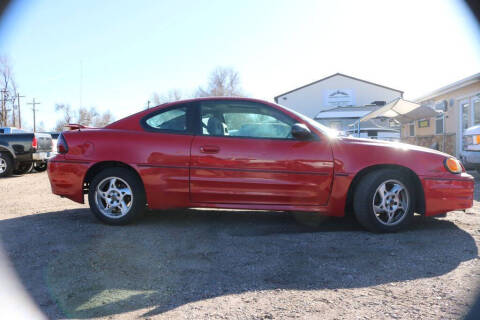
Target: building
{"x": 460, "y": 103}
{"x": 337, "y": 90}
{"x": 347, "y": 119}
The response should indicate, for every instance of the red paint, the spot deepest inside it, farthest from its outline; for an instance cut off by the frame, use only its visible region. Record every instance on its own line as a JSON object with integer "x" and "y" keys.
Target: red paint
{"x": 181, "y": 170}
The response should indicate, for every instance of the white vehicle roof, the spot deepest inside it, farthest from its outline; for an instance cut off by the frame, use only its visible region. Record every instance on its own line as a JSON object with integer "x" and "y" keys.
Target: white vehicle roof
{"x": 472, "y": 130}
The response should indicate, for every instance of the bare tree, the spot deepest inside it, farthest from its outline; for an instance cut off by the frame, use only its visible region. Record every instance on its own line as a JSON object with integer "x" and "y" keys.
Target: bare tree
{"x": 86, "y": 116}
{"x": 68, "y": 116}
{"x": 170, "y": 96}
{"x": 103, "y": 119}
{"x": 222, "y": 82}
{"x": 6, "y": 94}
{"x": 83, "y": 116}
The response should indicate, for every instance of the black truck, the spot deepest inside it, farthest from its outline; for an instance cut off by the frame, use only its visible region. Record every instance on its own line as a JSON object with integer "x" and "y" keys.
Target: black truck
{"x": 19, "y": 152}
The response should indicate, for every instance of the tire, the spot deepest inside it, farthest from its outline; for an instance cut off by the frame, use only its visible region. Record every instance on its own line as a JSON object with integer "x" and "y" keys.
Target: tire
{"x": 101, "y": 201}
{"x": 40, "y": 166}
{"x": 23, "y": 168}
{"x": 386, "y": 215}
{"x": 6, "y": 165}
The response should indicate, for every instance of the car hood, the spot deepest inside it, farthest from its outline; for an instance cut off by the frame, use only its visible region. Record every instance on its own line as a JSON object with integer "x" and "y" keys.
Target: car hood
{"x": 391, "y": 145}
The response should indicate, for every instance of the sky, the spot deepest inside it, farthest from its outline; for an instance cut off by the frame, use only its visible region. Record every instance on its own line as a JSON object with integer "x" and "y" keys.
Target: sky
{"x": 113, "y": 55}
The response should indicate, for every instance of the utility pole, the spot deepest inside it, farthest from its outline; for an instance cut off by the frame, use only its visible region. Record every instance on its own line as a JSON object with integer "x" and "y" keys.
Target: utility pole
{"x": 19, "y": 113}
{"x": 148, "y": 104}
{"x": 33, "y": 103}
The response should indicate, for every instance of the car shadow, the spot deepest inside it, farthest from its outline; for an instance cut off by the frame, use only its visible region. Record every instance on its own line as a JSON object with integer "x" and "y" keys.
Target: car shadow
{"x": 76, "y": 267}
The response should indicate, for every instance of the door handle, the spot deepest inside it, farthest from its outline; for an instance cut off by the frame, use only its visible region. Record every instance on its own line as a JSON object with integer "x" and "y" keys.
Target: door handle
{"x": 209, "y": 149}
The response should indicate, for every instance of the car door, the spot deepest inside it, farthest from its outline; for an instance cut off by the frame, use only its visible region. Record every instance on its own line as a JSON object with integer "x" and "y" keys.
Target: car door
{"x": 244, "y": 153}
{"x": 163, "y": 151}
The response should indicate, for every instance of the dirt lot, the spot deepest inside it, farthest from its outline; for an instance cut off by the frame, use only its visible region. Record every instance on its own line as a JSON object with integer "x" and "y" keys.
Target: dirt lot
{"x": 241, "y": 265}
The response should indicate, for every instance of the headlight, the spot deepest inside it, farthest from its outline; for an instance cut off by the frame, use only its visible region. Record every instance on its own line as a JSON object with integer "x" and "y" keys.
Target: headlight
{"x": 453, "y": 165}
{"x": 476, "y": 139}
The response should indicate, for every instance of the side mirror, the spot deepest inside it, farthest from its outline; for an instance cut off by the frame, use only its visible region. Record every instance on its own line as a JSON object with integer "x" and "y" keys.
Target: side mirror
{"x": 301, "y": 131}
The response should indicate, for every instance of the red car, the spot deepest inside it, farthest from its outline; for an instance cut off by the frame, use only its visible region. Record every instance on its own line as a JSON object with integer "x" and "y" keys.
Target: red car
{"x": 250, "y": 154}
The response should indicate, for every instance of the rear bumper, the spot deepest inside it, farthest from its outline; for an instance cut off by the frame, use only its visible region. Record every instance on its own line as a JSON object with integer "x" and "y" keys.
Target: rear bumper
{"x": 66, "y": 178}
{"x": 447, "y": 194}
{"x": 39, "y": 156}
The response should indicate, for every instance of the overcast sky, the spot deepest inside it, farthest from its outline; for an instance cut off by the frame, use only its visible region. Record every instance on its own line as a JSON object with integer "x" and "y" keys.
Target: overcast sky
{"x": 130, "y": 49}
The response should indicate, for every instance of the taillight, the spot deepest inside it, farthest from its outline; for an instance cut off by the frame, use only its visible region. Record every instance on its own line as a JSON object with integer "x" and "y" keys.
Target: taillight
{"x": 34, "y": 143}
{"x": 62, "y": 146}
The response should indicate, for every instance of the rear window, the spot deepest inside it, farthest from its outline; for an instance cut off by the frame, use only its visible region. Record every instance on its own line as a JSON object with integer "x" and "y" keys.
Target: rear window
{"x": 169, "y": 120}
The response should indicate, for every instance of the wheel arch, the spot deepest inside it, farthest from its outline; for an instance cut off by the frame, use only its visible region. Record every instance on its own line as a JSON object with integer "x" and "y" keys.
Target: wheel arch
{"x": 420, "y": 196}
{"x": 99, "y": 166}
{"x": 7, "y": 152}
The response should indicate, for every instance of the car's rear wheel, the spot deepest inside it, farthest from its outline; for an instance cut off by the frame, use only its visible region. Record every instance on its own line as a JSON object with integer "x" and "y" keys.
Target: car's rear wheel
{"x": 116, "y": 196}
{"x": 40, "y": 166}
{"x": 6, "y": 165}
{"x": 384, "y": 201}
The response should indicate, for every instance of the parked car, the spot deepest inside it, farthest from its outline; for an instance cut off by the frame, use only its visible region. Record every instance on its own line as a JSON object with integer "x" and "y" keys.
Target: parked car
{"x": 19, "y": 152}
{"x": 240, "y": 153}
{"x": 8, "y": 130}
{"x": 42, "y": 166}
{"x": 470, "y": 155}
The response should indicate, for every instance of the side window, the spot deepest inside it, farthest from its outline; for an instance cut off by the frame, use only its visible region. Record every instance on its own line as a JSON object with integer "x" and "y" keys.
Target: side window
{"x": 411, "y": 129}
{"x": 244, "y": 119}
{"x": 169, "y": 120}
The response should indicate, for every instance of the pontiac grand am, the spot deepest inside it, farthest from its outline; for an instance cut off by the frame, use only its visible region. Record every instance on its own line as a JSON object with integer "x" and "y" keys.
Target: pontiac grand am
{"x": 240, "y": 153}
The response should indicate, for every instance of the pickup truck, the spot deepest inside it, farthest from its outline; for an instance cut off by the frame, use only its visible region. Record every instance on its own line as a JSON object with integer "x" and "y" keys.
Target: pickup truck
{"x": 470, "y": 155}
{"x": 19, "y": 152}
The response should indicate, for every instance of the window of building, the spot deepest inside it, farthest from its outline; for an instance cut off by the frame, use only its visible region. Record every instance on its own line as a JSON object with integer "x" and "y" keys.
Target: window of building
{"x": 476, "y": 112}
{"x": 424, "y": 123}
{"x": 440, "y": 124}
{"x": 465, "y": 107}
{"x": 411, "y": 129}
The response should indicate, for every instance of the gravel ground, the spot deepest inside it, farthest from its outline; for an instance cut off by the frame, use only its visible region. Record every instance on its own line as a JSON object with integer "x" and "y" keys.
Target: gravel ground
{"x": 197, "y": 264}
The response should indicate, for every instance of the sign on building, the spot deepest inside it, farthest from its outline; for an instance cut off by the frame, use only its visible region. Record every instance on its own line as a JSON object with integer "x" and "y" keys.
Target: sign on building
{"x": 339, "y": 98}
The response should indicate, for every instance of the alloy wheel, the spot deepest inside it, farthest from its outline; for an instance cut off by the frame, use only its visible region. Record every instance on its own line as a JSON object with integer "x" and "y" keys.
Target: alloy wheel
{"x": 113, "y": 197}
{"x": 3, "y": 165}
{"x": 391, "y": 202}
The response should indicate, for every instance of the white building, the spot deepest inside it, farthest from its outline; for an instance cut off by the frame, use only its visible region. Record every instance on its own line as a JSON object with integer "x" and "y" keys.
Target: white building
{"x": 335, "y": 91}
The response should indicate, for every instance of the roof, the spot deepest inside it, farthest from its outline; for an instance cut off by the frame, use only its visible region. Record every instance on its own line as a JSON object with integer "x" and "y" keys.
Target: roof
{"x": 453, "y": 86}
{"x": 346, "y": 112}
{"x": 375, "y": 125}
{"x": 403, "y": 111}
{"x": 333, "y": 75}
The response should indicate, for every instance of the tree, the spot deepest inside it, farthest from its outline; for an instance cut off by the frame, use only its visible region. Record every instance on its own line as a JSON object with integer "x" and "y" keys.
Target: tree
{"x": 170, "y": 96}
{"x": 224, "y": 82}
{"x": 8, "y": 91}
{"x": 86, "y": 117}
{"x": 68, "y": 116}
{"x": 83, "y": 116}
{"x": 104, "y": 119}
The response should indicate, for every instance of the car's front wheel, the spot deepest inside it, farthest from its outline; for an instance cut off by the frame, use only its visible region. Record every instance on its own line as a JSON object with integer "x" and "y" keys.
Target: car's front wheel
{"x": 116, "y": 196}
{"x": 384, "y": 201}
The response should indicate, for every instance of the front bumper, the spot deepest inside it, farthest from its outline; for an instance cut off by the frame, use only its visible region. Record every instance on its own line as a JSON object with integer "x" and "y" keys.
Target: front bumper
{"x": 448, "y": 194}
